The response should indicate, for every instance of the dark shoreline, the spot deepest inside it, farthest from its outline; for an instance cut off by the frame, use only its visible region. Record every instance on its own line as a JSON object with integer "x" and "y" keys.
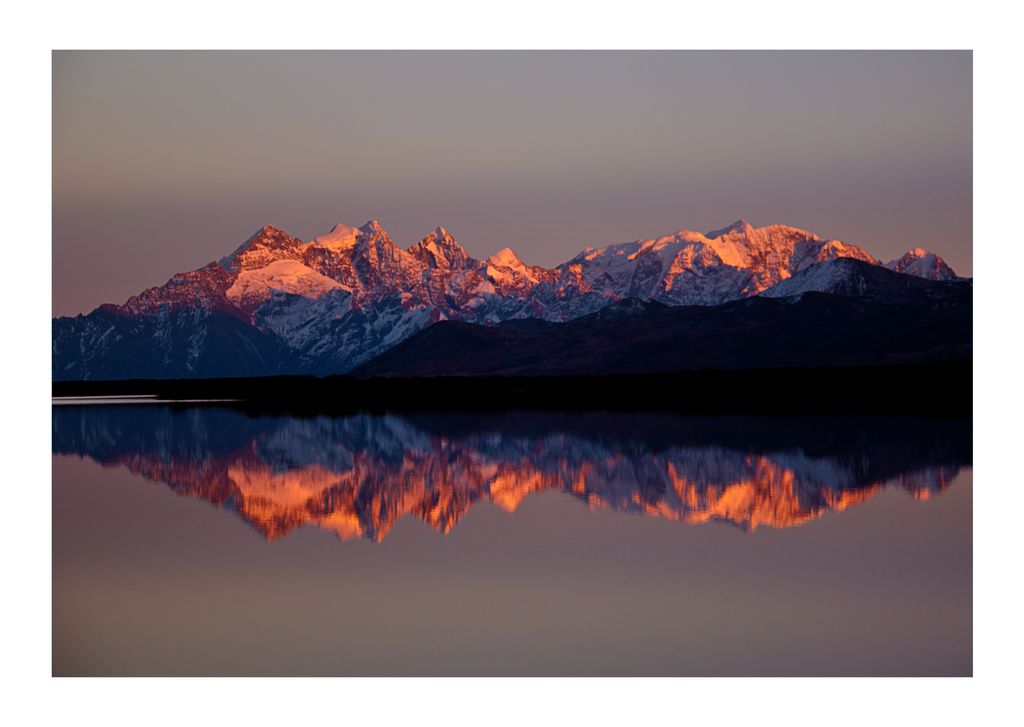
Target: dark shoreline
{"x": 931, "y": 389}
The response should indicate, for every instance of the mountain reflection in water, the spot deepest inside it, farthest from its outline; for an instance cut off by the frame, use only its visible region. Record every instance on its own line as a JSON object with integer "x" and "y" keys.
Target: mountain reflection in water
{"x": 356, "y": 476}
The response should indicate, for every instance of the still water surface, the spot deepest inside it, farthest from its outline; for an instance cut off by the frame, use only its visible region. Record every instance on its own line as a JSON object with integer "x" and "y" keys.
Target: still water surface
{"x": 202, "y": 541}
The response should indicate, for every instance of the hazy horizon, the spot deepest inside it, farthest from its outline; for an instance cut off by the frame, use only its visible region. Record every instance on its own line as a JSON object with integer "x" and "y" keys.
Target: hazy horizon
{"x": 164, "y": 161}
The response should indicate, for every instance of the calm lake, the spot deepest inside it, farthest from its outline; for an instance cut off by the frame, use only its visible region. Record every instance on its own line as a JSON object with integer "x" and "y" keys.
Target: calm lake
{"x": 199, "y": 540}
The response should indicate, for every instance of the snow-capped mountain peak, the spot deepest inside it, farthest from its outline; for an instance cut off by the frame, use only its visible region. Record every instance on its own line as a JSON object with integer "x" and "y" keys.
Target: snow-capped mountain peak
{"x": 923, "y": 264}
{"x": 372, "y": 227}
{"x": 440, "y": 250}
{"x": 340, "y": 236}
{"x": 740, "y": 226}
{"x": 506, "y": 258}
{"x": 265, "y": 246}
{"x": 506, "y": 268}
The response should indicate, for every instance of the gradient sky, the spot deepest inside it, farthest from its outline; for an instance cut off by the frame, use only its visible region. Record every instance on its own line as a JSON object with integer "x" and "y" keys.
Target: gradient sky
{"x": 164, "y": 161}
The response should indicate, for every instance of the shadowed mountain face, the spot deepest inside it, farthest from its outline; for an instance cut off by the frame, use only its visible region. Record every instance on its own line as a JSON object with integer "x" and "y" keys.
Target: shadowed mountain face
{"x": 838, "y": 313}
{"x": 357, "y": 476}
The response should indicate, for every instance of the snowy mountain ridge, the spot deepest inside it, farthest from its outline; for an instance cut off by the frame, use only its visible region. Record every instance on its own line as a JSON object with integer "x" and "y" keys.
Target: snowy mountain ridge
{"x": 279, "y": 304}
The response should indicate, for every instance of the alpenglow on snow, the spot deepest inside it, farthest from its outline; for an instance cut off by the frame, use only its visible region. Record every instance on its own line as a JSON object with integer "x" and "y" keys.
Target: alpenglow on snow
{"x": 280, "y": 305}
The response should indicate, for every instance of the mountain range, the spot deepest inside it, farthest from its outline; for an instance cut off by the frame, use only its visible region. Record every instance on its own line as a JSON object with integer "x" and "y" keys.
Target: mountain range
{"x": 280, "y": 305}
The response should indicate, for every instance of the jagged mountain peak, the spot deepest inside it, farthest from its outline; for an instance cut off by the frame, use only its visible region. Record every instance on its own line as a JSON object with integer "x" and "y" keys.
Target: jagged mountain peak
{"x": 341, "y": 236}
{"x": 439, "y": 235}
{"x": 373, "y": 227}
{"x": 343, "y": 230}
{"x": 440, "y": 250}
{"x": 923, "y": 264}
{"x": 264, "y": 235}
{"x": 740, "y": 226}
{"x": 759, "y": 235}
{"x": 506, "y": 268}
{"x": 265, "y": 232}
{"x": 506, "y": 257}
{"x": 266, "y": 245}
{"x": 375, "y": 243}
